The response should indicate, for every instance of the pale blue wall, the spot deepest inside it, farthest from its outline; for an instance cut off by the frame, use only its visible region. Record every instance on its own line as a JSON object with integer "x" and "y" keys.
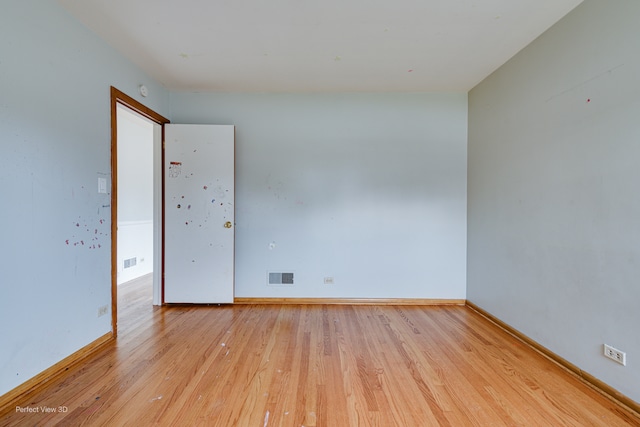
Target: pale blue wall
{"x": 55, "y": 143}
{"x": 554, "y": 206}
{"x": 367, "y": 188}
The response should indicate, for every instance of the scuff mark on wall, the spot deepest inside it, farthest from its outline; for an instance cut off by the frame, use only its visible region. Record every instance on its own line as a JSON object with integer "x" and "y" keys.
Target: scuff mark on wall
{"x": 86, "y": 235}
{"x": 583, "y": 83}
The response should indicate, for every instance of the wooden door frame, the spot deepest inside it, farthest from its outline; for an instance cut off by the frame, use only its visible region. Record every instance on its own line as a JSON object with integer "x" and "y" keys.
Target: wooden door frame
{"x": 118, "y": 97}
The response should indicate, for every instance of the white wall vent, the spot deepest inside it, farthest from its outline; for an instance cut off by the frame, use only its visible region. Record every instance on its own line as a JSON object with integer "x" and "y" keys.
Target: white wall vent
{"x": 130, "y": 262}
{"x": 280, "y": 279}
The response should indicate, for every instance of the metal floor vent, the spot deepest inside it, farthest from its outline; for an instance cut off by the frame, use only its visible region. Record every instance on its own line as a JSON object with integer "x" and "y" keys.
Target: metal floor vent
{"x": 280, "y": 278}
{"x": 130, "y": 262}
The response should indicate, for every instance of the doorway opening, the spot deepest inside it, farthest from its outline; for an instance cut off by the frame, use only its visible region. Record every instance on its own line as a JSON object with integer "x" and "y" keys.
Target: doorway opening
{"x": 135, "y": 270}
{"x": 136, "y": 199}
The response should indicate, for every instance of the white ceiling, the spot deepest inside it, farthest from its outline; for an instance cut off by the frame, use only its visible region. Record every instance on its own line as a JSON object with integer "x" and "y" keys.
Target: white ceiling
{"x": 323, "y": 45}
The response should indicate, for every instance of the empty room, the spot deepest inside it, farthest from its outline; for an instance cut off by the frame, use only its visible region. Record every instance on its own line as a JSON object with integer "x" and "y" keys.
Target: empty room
{"x": 411, "y": 213}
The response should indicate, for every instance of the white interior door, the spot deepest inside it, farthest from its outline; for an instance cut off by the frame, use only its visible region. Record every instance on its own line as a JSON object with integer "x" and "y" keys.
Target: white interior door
{"x": 199, "y": 214}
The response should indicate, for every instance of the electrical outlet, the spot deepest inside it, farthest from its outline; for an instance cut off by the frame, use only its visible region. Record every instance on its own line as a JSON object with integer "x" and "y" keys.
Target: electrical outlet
{"x": 103, "y": 310}
{"x": 615, "y": 355}
{"x": 329, "y": 281}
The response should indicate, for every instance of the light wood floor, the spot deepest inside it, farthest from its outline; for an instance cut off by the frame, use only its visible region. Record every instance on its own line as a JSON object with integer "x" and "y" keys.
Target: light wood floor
{"x": 314, "y": 365}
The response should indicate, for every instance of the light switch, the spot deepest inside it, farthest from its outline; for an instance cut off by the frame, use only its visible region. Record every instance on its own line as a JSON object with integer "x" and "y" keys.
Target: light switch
{"x": 102, "y": 185}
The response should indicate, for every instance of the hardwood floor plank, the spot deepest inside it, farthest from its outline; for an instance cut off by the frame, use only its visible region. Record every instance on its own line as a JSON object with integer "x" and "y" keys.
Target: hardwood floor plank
{"x": 313, "y": 366}
{"x": 479, "y": 373}
{"x": 488, "y": 374}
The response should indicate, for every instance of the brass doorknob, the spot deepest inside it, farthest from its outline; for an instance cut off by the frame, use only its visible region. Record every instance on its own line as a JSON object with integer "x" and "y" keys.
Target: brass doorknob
{"x": 227, "y": 224}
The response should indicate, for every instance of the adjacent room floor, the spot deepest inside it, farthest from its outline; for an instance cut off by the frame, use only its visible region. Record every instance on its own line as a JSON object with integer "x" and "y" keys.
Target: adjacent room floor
{"x": 314, "y": 365}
